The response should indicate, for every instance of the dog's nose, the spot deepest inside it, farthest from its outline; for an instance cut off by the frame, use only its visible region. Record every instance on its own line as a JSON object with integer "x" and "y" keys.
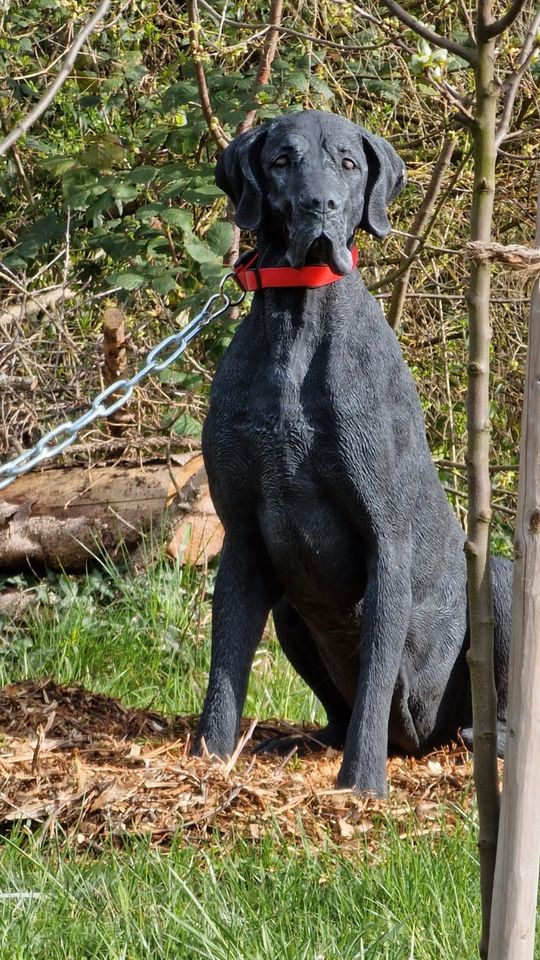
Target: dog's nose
{"x": 320, "y": 203}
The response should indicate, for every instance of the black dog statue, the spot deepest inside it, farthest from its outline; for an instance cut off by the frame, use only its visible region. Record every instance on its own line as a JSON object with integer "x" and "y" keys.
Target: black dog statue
{"x": 315, "y": 447}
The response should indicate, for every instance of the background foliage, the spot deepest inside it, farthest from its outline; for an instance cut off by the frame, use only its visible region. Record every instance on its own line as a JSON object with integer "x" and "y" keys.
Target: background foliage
{"x": 111, "y": 196}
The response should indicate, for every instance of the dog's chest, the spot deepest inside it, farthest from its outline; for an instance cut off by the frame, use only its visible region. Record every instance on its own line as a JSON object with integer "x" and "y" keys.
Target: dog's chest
{"x": 291, "y": 439}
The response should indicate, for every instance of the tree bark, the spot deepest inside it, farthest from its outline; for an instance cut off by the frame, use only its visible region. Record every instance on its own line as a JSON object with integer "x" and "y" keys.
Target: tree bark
{"x": 66, "y": 517}
{"x": 480, "y": 654}
{"x": 516, "y": 875}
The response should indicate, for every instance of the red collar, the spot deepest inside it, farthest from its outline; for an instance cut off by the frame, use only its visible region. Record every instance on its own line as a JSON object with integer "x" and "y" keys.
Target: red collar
{"x": 250, "y": 277}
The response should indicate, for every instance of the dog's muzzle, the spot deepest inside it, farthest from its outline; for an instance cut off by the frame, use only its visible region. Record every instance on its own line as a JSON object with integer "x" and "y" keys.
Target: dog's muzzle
{"x": 306, "y": 248}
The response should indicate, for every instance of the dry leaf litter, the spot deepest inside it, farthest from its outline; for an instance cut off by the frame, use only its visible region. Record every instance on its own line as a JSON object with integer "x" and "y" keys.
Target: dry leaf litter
{"x": 97, "y": 769}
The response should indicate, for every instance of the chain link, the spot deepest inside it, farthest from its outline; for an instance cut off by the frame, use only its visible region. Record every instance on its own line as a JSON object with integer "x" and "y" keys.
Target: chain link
{"x": 157, "y": 360}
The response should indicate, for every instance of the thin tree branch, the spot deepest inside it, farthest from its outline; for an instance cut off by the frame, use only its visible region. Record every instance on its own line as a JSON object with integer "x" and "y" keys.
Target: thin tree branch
{"x": 49, "y": 95}
{"x": 456, "y": 48}
{"x": 511, "y": 85}
{"x": 487, "y": 31}
{"x": 212, "y": 121}
{"x": 290, "y": 32}
{"x": 17, "y": 161}
{"x": 469, "y": 21}
{"x": 421, "y": 241}
{"x": 399, "y": 292}
{"x": 268, "y": 53}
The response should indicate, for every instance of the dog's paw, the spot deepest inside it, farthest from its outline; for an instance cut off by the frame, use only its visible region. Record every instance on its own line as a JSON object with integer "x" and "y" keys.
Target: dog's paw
{"x": 331, "y": 736}
{"x": 365, "y": 783}
{"x": 467, "y": 737}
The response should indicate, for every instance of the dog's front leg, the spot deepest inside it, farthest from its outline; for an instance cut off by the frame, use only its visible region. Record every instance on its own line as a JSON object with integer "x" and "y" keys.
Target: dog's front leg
{"x": 244, "y": 594}
{"x": 385, "y": 622}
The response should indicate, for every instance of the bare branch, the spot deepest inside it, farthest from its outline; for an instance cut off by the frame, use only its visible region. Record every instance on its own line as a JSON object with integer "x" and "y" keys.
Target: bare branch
{"x": 406, "y": 261}
{"x": 469, "y": 22}
{"x": 212, "y": 121}
{"x": 290, "y": 32}
{"x": 456, "y": 48}
{"x": 55, "y": 86}
{"x": 487, "y": 31}
{"x": 434, "y": 187}
{"x": 268, "y": 53}
{"x": 511, "y": 85}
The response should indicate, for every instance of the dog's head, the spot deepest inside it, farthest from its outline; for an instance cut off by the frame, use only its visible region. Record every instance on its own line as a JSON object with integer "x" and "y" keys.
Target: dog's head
{"x": 306, "y": 182}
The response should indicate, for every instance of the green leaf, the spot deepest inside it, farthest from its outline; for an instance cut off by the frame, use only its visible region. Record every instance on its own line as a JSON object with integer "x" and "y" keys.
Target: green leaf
{"x": 203, "y": 194}
{"x": 59, "y": 165}
{"x": 144, "y": 174}
{"x": 219, "y": 237}
{"x": 14, "y": 262}
{"x": 211, "y": 271}
{"x": 124, "y": 191}
{"x": 179, "y": 94}
{"x": 163, "y": 283}
{"x": 158, "y": 246}
{"x": 171, "y": 376}
{"x": 126, "y": 280}
{"x": 90, "y": 100}
{"x": 150, "y": 210}
{"x": 177, "y": 217}
{"x": 186, "y": 426}
{"x": 98, "y": 205}
{"x": 174, "y": 189}
{"x": 198, "y": 249}
{"x": 44, "y": 231}
{"x": 102, "y": 153}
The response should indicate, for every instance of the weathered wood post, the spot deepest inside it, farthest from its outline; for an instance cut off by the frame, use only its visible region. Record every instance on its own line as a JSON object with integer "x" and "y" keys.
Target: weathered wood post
{"x": 513, "y": 911}
{"x": 115, "y": 362}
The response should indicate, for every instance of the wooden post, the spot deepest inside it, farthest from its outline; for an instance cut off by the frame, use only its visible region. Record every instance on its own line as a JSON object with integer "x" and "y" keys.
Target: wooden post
{"x": 518, "y": 851}
{"x": 114, "y": 367}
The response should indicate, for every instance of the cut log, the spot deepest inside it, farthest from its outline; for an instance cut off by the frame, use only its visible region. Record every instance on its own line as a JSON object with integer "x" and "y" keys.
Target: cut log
{"x": 65, "y": 517}
{"x": 198, "y": 534}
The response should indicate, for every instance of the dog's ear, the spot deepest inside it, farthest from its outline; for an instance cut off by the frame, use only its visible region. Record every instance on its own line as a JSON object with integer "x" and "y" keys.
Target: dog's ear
{"x": 386, "y": 178}
{"x": 239, "y": 175}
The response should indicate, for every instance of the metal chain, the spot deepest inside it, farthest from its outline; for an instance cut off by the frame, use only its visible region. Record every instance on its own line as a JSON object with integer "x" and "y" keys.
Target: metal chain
{"x": 157, "y": 360}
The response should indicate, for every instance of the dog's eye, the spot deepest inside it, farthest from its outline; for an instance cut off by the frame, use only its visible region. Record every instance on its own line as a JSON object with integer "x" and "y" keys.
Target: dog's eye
{"x": 348, "y": 164}
{"x": 281, "y": 161}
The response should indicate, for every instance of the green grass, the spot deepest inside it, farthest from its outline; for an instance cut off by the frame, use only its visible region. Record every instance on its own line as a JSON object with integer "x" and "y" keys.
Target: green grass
{"x": 146, "y": 639}
{"x": 252, "y": 902}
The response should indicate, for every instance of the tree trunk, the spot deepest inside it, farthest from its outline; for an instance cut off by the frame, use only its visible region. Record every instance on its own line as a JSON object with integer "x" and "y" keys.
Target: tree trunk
{"x": 516, "y": 875}
{"x": 480, "y": 655}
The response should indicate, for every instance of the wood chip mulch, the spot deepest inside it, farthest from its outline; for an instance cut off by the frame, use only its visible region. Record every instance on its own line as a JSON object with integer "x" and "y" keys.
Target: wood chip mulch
{"x": 98, "y": 770}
